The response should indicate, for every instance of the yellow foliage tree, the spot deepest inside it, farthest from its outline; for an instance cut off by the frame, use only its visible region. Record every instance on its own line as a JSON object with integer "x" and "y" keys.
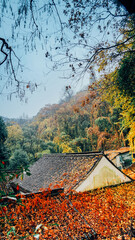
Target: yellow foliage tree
{"x": 15, "y": 135}
{"x": 131, "y": 138}
{"x": 125, "y": 103}
{"x": 66, "y": 148}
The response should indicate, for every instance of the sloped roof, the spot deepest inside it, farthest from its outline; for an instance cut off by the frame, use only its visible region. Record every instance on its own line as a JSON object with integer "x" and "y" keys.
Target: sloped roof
{"x": 103, "y": 173}
{"x": 58, "y": 170}
{"x": 67, "y": 171}
{"x": 130, "y": 171}
{"x": 113, "y": 153}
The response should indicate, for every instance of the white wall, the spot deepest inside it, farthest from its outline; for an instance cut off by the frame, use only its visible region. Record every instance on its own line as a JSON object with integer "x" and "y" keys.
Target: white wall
{"x": 104, "y": 174}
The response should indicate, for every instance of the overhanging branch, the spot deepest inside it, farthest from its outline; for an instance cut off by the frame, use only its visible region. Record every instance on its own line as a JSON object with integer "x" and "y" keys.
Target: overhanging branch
{"x": 9, "y": 49}
{"x": 97, "y": 51}
{"x": 4, "y": 44}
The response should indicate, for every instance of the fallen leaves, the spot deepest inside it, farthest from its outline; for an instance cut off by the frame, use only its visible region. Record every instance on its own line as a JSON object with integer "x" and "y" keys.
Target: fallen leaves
{"x": 77, "y": 215}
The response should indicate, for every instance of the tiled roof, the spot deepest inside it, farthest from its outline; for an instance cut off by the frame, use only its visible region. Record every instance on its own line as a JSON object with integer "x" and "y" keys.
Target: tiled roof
{"x": 130, "y": 171}
{"x": 60, "y": 170}
{"x": 113, "y": 153}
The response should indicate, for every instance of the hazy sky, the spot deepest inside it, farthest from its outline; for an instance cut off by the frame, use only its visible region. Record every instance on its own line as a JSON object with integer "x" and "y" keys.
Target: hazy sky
{"x": 36, "y": 67}
{"x": 50, "y": 90}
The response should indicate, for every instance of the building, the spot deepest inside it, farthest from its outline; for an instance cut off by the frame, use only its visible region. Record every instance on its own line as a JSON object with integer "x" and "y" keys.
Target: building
{"x": 79, "y": 172}
{"x": 78, "y": 214}
{"x": 121, "y": 157}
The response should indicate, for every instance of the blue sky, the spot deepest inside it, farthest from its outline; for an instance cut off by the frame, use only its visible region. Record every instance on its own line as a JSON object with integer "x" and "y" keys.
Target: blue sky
{"x": 36, "y": 67}
{"x": 50, "y": 89}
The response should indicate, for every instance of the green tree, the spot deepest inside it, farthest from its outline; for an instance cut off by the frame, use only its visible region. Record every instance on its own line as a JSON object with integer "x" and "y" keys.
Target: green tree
{"x": 82, "y": 143}
{"x": 50, "y": 145}
{"x": 31, "y": 141}
{"x": 125, "y": 79}
{"x": 103, "y": 123}
{"x": 119, "y": 98}
{"x": 4, "y": 153}
{"x": 15, "y": 137}
{"x": 18, "y": 160}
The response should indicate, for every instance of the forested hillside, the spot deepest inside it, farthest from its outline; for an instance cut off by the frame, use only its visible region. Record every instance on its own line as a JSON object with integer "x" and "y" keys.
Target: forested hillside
{"x": 94, "y": 119}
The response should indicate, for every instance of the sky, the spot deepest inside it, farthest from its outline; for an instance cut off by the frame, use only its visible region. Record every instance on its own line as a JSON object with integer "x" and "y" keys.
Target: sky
{"x": 50, "y": 90}
{"x": 46, "y": 93}
{"x": 36, "y": 68}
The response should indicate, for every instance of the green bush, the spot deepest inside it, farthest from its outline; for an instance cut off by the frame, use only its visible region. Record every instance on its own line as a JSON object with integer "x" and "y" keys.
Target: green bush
{"x": 18, "y": 159}
{"x": 103, "y": 124}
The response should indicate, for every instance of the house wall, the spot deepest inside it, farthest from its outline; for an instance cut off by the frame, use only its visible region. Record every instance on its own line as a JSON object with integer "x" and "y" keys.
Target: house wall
{"x": 123, "y": 160}
{"x": 104, "y": 174}
{"x": 118, "y": 162}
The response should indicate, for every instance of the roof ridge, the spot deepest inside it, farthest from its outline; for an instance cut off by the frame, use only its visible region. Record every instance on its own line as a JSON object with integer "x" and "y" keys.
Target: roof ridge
{"x": 79, "y": 153}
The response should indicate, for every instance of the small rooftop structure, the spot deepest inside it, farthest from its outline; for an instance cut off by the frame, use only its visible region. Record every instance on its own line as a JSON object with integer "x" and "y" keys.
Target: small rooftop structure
{"x": 121, "y": 157}
{"x": 112, "y": 153}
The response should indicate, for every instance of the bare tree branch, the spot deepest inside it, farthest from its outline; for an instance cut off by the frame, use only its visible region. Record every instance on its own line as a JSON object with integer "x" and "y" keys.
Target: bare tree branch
{"x": 98, "y": 50}
{"x": 33, "y": 18}
{"x": 4, "y": 44}
{"x": 67, "y": 26}
{"x": 58, "y": 15}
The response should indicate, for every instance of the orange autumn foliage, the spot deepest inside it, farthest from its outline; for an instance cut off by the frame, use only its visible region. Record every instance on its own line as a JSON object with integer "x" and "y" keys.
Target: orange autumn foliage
{"x": 103, "y": 211}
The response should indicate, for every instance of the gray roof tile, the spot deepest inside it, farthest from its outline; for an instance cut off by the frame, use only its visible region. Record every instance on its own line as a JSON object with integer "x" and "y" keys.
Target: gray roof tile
{"x": 58, "y": 170}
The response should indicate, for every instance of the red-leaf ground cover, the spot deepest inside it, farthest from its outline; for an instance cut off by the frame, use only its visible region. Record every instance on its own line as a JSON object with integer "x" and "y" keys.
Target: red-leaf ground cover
{"x": 75, "y": 216}
{"x": 108, "y": 210}
{"x": 130, "y": 171}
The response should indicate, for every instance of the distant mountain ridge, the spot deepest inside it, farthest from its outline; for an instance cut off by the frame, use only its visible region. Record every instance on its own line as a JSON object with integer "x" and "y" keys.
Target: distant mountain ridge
{"x": 20, "y": 121}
